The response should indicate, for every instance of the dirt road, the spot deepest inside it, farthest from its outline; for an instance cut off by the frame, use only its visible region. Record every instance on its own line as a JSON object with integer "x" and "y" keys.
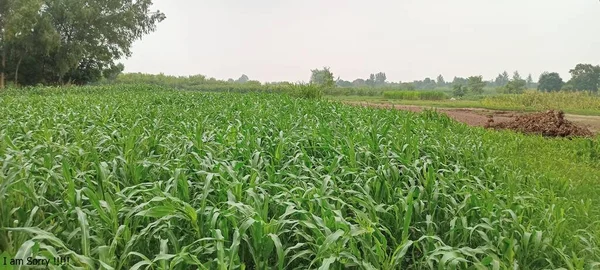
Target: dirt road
{"x": 479, "y": 117}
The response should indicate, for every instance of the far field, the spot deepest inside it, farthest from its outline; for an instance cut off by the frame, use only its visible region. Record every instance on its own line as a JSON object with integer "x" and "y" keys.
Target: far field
{"x": 121, "y": 177}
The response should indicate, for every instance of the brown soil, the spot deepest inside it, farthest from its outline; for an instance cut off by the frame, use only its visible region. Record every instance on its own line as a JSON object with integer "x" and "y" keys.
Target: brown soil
{"x": 550, "y": 123}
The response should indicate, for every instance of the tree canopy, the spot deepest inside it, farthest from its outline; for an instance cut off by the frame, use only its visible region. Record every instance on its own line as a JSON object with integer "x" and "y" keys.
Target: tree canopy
{"x": 70, "y": 41}
{"x": 550, "y": 82}
{"x": 585, "y": 77}
{"x": 323, "y": 77}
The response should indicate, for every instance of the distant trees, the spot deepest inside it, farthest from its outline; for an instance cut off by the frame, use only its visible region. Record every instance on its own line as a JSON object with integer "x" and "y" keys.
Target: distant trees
{"x": 359, "y": 83}
{"x": 341, "y": 83}
{"x": 380, "y": 78}
{"x": 549, "y": 82}
{"x": 475, "y": 84}
{"x": 243, "y": 79}
{"x": 459, "y": 90}
{"x": 502, "y": 79}
{"x": 371, "y": 81}
{"x": 530, "y": 82}
{"x": 323, "y": 77}
{"x": 440, "y": 81}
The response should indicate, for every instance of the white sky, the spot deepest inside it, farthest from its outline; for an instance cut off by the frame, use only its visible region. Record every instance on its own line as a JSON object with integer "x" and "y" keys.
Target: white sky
{"x": 281, "y": 40}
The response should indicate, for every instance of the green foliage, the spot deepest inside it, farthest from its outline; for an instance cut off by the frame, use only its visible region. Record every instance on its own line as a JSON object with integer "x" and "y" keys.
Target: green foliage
{"x": 475, "y": 84}
{"x": 415, "y": 95}
{"x": 353, "y": 91}
{"x": 70, "y": 41}
{"x": 515, "y": 86}
{"x": 574, "y": 101}
{"x": 550, "y": 82}
{"x": 459, "y": 90}
{"x": 308, "y": 91}
{"x": 126, "y": 177}
{"x": 323, "y": 77}
{"x": 585, "y": 77}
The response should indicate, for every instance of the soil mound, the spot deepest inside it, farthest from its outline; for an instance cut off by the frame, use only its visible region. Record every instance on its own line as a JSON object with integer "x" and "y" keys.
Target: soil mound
{"x": 550, "y": 123}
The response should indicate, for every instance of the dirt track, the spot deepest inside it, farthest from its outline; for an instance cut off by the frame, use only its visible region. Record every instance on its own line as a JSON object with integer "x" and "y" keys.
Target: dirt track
{"x": 480, "y": 117}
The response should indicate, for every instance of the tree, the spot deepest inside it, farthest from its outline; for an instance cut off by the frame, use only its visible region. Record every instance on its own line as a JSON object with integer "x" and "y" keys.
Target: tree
{"x": 459, "y": 80}
{"x": 530, "y": 82}
{"x": 440, "y": 81}
{"x": 585, "y": 77}
{"x": 359, "y": 83}
{"x": 516, "y": 76}
{"x": 549, "y": 82}
{"x": 243, "y": 79}
{"x": 323, "y": 77}
{"x": 342, "y": 83}
{"x": 407, "y": 86}
{"x": 476, "y": 84}
{"x": 459, "y": 90}
{"x": 371, "y": 81}
{"x": 515, "y": 86}
{"x": 380, "y": 78}
{"x": 57, "y": 41}
{"x": 18, "y": 19}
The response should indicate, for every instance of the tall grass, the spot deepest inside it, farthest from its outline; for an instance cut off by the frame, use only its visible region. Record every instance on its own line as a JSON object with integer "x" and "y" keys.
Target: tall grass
{"x": 133, "y": 177}
{"x": 575, "y": 101}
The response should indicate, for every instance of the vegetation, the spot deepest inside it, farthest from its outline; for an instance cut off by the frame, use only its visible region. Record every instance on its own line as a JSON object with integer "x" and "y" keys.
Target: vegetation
{"x": 550, "y": 82}
{"x": 475, "y": 85}
{"x": 322, "y": 77}
{"x": 69, "y": 41}
{"x": 122, "y": 177}
{"x": 569, "y": 101}
{"x": 415, "y": 95}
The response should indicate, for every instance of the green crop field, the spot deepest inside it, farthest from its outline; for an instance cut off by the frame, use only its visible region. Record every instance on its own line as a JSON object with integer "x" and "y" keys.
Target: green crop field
{"x": 141, "y": 177}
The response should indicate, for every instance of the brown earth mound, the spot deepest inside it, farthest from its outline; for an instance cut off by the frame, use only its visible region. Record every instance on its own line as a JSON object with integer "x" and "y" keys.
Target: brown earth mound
{"x": 551, "y": 123}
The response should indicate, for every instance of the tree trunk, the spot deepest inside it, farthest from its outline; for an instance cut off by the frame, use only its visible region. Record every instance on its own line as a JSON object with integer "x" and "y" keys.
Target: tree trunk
{"x": 17, "y": 71}
{"x": 2, "y": 68}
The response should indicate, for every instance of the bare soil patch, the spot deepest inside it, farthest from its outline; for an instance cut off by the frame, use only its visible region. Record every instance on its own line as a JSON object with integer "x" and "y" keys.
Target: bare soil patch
{"x": 550, "y": 123}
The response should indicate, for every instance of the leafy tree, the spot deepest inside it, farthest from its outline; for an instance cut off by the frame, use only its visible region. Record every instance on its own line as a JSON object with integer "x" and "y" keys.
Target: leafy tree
{"x": 459, "y": 90}
{"x": 342, "y": 83}
{"x": 550, "y": 82}
{"x": 515, "y": 86}
{"x": 585, "y": 77}
{"x": 529, "y": 80}
{"x": 243, "y": 79}
{"x": 371, "y": 81}
{"x": 57, "y": 41}
{"x": 476, "y": 84}
{"x": 459, "y": 80}
{"x": 380, "y": 78}
{"x": 359, "y": 83}
{"x": 408, "y": 86}
{"x": 440, "y": 81}
{"x": 502, "y": 79}
{"x": 516, "y": 76}
{"x": 323, "y": 77}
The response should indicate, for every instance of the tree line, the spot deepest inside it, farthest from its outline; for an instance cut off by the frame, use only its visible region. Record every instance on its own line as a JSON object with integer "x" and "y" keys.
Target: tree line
{"x": 584, "y": 77}
{"x": 69, "y": 41}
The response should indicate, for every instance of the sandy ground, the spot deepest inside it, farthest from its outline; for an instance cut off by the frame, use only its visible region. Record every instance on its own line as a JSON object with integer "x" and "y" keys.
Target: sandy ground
{"x": 479, "y": 117}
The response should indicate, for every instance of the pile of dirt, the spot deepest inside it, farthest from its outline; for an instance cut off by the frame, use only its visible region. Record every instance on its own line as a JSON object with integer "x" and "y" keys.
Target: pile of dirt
{"x": 551, "y": 123}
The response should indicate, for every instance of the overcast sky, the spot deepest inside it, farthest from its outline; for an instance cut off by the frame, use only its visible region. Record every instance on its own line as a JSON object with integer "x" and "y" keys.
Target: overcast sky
{"x": 281, "y": 40}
